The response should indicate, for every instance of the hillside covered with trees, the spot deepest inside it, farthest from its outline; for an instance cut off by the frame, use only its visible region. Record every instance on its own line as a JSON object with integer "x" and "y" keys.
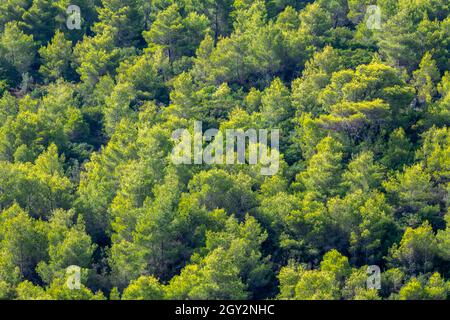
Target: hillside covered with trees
{"x": 87, "y": 114}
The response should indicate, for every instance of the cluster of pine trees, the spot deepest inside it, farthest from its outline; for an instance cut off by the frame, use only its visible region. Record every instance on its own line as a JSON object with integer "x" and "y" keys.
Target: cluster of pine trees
{"x": 86, "y": 118}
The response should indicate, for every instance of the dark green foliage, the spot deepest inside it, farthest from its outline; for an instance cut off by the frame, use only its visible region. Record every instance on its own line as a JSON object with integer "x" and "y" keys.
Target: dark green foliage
{"x": 86, "y": 123}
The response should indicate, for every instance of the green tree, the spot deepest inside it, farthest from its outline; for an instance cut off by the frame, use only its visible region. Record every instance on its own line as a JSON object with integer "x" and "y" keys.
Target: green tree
{"x": 17, "y": 48}
{"x": 412, "y": 290}
{"x": 356, "y": 286}
{"x": 417, "y": 250}
{"x": 276, "y": 105}
{"x": 322, "y": 175}
{"x": 23, "y": 241}
{"x": 398, "y": 150}
{"x": 316, "y": 285}
{"x": 178, "y": 36}
{"x": 410, "y": 190}
{"x": 57, "y": 57}
{"x": 214, "y": 278}
{"x": 363, "y": 173}
{"x": 425, "y": 79}
{"x": 144, "y": 288}
{"x": 127, "y": 17}
{"x": 44, "y": 17}
{"x": 68, "y": 245}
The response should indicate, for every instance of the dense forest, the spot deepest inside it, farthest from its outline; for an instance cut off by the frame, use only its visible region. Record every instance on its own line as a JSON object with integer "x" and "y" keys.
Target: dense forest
{"x": 89, "y": 100}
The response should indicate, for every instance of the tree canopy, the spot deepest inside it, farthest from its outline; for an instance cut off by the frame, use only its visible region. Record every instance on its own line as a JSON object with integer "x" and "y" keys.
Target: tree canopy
{"x": 86, "y": 123}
